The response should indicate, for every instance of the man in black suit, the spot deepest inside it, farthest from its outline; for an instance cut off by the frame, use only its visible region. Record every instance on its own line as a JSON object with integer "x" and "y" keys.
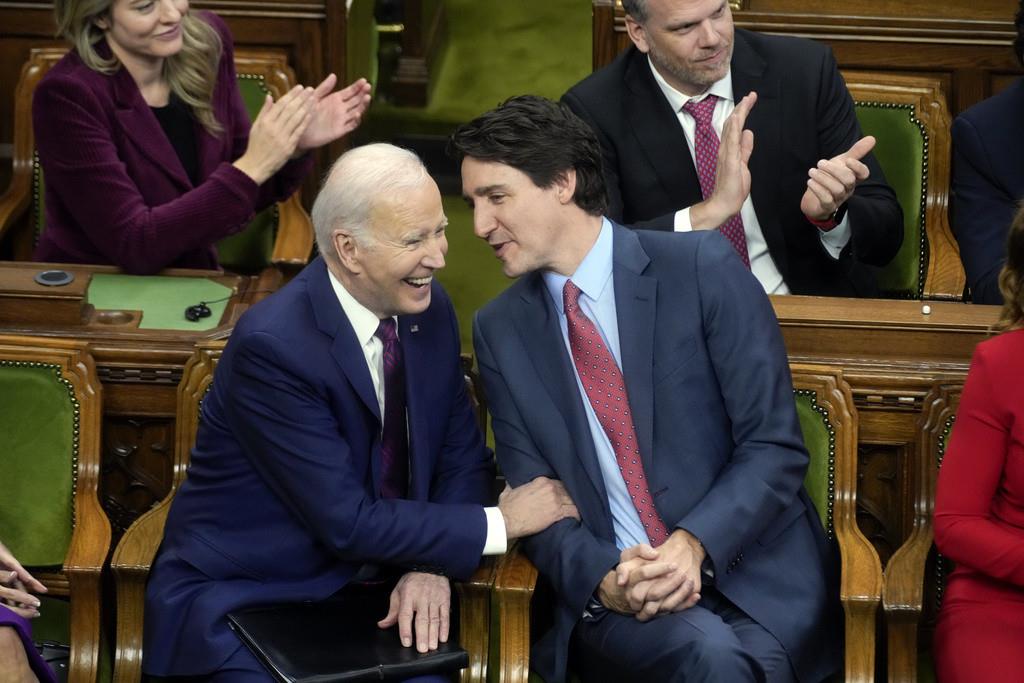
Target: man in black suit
{"x": 816, "y": 214}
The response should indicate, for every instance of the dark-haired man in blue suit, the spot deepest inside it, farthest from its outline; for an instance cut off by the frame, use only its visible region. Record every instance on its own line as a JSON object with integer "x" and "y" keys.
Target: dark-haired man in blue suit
{"x": 646, "y": 371}
{"x": 337, "y": 439}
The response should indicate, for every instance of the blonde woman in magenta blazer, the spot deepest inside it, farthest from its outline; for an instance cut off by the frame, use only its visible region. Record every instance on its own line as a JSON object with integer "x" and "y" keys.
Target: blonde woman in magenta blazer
{"x": 117, "y": 188}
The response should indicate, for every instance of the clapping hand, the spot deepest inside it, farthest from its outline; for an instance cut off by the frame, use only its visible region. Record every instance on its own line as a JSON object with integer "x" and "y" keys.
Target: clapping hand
{"x": 15, "y": 582}
{"x": 832, "y": 181}
{"x": 335, "y": 113}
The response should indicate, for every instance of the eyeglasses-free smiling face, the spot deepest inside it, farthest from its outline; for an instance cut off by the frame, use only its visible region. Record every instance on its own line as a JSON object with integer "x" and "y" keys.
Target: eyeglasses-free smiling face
{"x": 689, "y": 41}
{"x": 519, "y": 220}
{"x": 144, "y": 30}
{"x": 403, "y": 246}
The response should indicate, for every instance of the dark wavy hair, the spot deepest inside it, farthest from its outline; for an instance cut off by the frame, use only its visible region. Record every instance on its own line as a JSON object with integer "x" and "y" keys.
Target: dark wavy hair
{"x": 1011, "y": 278}
{"x": 541, "y": 138}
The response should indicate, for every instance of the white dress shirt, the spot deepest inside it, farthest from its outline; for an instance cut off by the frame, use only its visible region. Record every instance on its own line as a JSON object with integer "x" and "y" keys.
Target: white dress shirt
{"x": 364, "y": 323}
{"x": 761, "y": 263}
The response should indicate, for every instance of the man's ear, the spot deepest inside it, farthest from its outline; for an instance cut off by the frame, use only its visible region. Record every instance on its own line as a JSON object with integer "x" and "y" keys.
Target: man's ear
{"x": 637, "y": 33}
{"x": 565, "y": 186}
{"x": 347, "y": 248}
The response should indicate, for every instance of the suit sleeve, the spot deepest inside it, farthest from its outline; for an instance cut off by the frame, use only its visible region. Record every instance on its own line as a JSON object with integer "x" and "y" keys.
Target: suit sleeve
{"x": 567, "y": 552}
{"x": 876, "y": 219}
{"x": 966, "y": 530}
{"x": 285, "y": 423}
{"x": 768, "y": 464}
{"x": 982, "y": 213}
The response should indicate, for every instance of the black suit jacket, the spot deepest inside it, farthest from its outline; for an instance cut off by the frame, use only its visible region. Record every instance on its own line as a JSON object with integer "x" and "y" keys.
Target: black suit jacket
{"x": 988, "y": 184}
{"x": 803, "y": 114}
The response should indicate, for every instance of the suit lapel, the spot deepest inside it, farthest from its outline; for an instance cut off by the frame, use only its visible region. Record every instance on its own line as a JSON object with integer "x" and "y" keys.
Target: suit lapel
{"x": 416, "y": 353}
{"x": 139, "y": 124}
{"x": 635, "y": 308}
{"x": 658, "y": 132}
{"x": 537, "y": 322}
{"x": 346, "y": 349}
{"x": 750, "y": 73}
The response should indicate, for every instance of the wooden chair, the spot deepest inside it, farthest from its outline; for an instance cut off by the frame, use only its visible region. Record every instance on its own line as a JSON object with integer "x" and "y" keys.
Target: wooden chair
{"x": 909, "y": 118}
{"x": 281, "y": 235}
{"x": 50, "y": 515}
{"x": 134, "y": 555}
{"x": 828, "y": 420}
{"x": 907, "y": 580}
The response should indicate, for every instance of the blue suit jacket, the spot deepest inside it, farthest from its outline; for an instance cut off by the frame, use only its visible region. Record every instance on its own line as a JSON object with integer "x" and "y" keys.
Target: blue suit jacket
{"x": 988, "y": 184}
{"x": 281, "y": 500}
{"x": 712, "y": 402}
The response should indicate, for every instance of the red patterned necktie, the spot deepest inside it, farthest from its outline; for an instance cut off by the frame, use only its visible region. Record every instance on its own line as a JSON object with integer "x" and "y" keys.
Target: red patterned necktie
{"x": 606, "y": 390}
{"x": 705, "y": 145}
{"x": 394, "y": 442}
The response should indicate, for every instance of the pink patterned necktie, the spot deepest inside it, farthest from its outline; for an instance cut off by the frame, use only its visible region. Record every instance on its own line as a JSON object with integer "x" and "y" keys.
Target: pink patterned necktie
{"x": 705, "y": 144}
{"x": 606, "y": 390}
{"x": 394, "y": 442}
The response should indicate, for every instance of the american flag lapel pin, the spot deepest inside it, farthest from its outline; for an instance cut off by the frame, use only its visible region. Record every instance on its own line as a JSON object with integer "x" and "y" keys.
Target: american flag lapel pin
{"x": 414, "y": 328}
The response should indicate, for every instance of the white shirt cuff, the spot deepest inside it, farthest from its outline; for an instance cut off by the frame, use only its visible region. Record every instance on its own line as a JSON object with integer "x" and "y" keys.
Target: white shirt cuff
{"x": 836, "y": 239}
{"x": 682, "y": 221}
{"x": 497, "y": 539}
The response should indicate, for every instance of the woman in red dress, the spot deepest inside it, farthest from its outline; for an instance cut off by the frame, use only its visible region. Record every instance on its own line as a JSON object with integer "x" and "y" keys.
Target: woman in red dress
{"x": 979, "y": 504}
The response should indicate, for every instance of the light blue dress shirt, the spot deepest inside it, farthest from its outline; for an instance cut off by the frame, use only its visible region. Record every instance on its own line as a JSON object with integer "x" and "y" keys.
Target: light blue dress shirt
{"x": 597, "y": 301}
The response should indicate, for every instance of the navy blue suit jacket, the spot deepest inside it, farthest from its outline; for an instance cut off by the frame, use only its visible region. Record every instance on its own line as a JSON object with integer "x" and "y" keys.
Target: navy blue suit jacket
{"x": 988, "y": 184}
{"x": 281, "y": 503}
{"x": 803, "y": 113}
{"x": 712, "y": 402}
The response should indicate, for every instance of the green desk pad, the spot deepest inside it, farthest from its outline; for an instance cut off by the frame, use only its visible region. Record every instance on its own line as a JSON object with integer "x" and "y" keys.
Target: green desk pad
{"x": 161, "y": 298}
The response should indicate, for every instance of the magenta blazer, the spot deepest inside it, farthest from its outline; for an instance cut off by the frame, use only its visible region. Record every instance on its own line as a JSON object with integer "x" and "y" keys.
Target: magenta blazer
{"x": 116, "y": 192}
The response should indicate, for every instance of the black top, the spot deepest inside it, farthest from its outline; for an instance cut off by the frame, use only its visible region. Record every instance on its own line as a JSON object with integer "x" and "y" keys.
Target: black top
{"x": 176, "y": 120}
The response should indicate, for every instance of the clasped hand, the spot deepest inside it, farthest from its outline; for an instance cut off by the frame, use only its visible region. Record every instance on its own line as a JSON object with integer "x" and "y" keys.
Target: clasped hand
{"x": 651, "y": 581}
{"x": 15, "y": 582}
{"x": 420, "y": 602}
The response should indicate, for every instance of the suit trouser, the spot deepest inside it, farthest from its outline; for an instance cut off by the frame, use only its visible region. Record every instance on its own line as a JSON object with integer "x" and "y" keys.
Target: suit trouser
{"x": 712, "y": 641}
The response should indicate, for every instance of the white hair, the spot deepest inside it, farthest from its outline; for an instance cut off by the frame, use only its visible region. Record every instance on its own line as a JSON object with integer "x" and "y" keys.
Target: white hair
{"x": 356, "y": 182}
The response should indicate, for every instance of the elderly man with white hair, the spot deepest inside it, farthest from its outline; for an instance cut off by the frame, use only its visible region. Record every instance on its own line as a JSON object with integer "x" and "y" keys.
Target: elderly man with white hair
{"x": 337, "y": 442}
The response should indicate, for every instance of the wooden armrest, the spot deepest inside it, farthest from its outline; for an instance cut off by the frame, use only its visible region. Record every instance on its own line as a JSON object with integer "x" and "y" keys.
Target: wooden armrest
{"x": 14, "y": 202}
{"x": 294, "y": 241}
{"x": 83, "y": 566}
{"x": 131, "y": 563}
{"x": 514, "y": 582}
{"x": 860, "y": 591}
{"x": 475, "y": 620}
{"x": 903, "y": 600}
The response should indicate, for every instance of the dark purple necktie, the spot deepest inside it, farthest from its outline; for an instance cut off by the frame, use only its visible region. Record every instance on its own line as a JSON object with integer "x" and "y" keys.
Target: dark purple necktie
{"x": 705, "y": 147}
{"x": 394, "y": 443}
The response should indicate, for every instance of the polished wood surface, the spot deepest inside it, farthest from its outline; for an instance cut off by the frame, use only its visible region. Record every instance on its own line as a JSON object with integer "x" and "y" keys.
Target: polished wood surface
{"x": 80, "y": 578}
{"x": 966, "y": 44}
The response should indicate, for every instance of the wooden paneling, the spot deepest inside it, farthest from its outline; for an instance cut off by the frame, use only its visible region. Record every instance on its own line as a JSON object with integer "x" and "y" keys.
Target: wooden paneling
{"x": 967, "y": 43}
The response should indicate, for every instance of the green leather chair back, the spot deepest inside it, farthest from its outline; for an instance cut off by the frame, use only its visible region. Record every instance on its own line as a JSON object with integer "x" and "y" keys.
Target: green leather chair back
{"x": 39, "y": 424}
{"x": 820, "y": 440}
{"x": 902, "y": 152}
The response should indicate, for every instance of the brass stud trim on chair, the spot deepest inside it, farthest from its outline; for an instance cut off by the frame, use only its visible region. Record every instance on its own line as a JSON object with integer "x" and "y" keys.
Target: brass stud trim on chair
{"x": 823, "y": 412}
{"x": 940, "y": 561}
{"x": 922, "y": 248}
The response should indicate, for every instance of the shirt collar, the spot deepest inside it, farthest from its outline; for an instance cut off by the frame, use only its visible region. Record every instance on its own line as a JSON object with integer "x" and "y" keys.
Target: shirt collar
{"x": 364, "y": 321}
{"x": 721, "y": 88}
{"x": 592, "y": 275}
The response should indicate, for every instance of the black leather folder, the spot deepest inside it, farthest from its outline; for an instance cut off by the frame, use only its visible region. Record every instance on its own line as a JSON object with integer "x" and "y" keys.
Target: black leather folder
{"x": 337, "y": 640}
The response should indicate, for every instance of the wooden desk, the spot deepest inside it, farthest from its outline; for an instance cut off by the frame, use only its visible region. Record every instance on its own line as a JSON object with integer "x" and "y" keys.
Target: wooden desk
{"x": 139, "y": 370}
{"x": 892, "y": 354}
